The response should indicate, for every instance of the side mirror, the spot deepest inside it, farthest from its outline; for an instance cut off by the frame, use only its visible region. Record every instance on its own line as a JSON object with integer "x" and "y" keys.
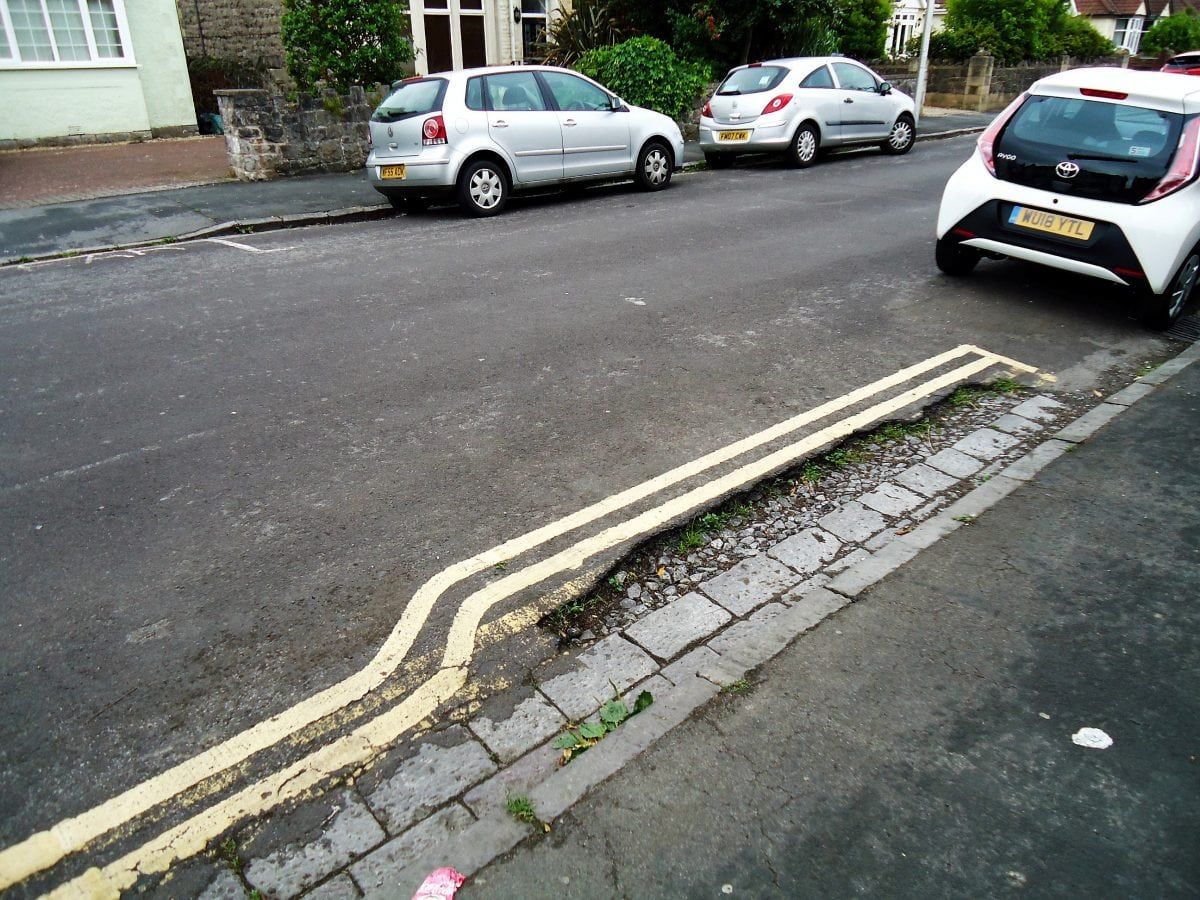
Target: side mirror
{"x": 885, "y": 87}
{"x": 615, "y": 104}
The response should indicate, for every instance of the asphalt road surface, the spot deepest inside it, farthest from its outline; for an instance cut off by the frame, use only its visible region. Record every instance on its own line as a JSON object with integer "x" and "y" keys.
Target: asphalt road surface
{"x": 223, "y": 473}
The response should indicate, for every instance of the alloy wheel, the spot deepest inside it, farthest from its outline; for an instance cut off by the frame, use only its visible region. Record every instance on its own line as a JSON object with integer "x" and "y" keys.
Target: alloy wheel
{"x": 1185, "y": 283}
{"x": 806, "y": 146}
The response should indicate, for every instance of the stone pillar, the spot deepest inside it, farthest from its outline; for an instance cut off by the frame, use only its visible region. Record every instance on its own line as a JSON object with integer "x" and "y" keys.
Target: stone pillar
{"x": 979, "y": 81}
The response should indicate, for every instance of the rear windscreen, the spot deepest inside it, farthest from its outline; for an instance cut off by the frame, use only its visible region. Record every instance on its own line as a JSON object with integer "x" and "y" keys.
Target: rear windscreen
{"x": 1121, "y": 151}
{"x": 412, "y": 98}
{"x": 752, "y": 80}
{"x": 1184, "y": 62}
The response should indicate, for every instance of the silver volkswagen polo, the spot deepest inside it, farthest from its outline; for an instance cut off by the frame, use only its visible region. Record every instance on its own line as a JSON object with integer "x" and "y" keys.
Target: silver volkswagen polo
{"x": 480, "y": 134}
{"x": 798, "y": 106}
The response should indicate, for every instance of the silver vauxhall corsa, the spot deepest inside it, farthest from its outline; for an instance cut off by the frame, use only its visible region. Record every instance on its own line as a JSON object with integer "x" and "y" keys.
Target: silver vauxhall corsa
{"x": 799, "y": 106}
{"x": 480, "y": 134}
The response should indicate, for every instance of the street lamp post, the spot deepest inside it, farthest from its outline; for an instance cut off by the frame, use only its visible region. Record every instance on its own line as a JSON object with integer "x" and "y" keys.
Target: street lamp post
{"x": 923, "y": 67}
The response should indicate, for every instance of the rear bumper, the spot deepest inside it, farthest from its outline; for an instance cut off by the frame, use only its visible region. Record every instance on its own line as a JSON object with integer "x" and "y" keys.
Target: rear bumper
{"x": 1151, "y": 239}
{"x": 1107, "y": 254}
{"x": 420, "y": 173}
{"x": 764, "y": 137}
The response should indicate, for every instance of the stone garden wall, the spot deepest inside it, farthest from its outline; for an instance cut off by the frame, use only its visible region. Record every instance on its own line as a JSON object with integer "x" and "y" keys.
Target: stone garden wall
{"x": 268, "y": 134}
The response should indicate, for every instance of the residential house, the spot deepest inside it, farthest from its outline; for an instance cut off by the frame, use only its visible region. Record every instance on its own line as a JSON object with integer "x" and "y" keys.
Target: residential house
{"x": 1125, "y": 21}
{"x": 461, "y": 34}
{"x": 82, "y": 70}
{"x": 908, "y": 21}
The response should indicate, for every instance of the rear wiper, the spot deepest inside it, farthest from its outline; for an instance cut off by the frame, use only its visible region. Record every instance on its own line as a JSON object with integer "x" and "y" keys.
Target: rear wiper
{"x": 728, "y": 93}
{"x": 1103, "y": 158}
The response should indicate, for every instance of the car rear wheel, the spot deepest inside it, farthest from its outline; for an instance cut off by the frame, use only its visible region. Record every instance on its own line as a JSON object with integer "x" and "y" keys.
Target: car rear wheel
{"x": 900, "y": 138}
{"x": 802, "y": 152}
{"x": 718, "y": 160}
{"x": 1159, "y": 311}
{"x": 483, "y": 188}
{"x": 955, "y": 259}
{"x": 653, "y": 171}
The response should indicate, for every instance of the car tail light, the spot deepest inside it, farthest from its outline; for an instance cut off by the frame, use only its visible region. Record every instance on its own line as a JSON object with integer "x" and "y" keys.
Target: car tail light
{"x": 987, "y": 140}
{"x": 433, "y": 132}
{"x": 777, "y": 103}
{"x": 1185, "y": 165}
{"x": 707, "y": 111}
{"x": 1106, "y": 95}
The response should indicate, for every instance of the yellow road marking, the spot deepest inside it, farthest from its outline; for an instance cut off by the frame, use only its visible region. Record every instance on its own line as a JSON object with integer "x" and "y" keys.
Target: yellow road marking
{"x": 45, "y": 849}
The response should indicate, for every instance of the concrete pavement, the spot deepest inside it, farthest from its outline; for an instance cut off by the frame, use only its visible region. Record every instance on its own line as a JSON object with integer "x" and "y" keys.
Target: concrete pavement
{"x": 920, "y": 743}
{"x": 38, "y": 229}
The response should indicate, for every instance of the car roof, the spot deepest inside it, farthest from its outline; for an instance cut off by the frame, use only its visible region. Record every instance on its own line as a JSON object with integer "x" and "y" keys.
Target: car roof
{"x": 797, "y": 62}
{"x": 1155, "y": 90}
{"x": 494, "y": 70}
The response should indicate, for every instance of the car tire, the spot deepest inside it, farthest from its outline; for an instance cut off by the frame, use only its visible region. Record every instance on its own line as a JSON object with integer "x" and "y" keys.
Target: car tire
{"x": 483, "y": 188}
{"x": 653, "y": 172}
{"x": 1159, "y": 311}
{"x": 902, "y": 136}
{"x": 718, "y": 160}
{"x": 805, "y": 146}
{"x": 954, "y": 259}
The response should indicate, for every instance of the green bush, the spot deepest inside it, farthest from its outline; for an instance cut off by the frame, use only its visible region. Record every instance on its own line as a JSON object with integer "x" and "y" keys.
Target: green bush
{"x": 1080, "y": 41}
{"x": 345, "y": 42}
{"x": 646, "y": 72}
{"x": 1177, "y": 33}
{"x": 862, "y": 27}
{"x": 1012, "y": 32}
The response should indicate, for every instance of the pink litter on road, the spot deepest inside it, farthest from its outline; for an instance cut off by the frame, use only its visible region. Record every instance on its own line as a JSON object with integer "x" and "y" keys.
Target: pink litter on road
{"x": 440, "y": 884}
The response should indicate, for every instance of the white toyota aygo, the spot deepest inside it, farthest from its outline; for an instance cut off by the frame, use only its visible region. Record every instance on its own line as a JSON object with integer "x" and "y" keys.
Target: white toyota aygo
{"x": 1093, "y": 171}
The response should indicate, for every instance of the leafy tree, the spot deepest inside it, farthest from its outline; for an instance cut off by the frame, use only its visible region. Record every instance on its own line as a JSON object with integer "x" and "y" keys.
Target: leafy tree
{"x": 862, "y": 27}
{"x": 1080, "y": 41}
{"x": 1012, "y": 31}
{"x": 1177, "y": 33}
{"x": 345, "y": 42}
{"x": 646, "y": 72}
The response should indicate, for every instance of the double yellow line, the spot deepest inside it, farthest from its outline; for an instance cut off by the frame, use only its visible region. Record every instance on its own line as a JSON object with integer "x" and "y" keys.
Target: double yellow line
{"x": 45, "y": 849}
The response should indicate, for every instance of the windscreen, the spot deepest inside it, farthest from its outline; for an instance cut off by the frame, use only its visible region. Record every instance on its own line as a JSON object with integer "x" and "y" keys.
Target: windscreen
{"x": 752, "y": 80}
{"x": 1121, "y": 151}
{"x": 412, "y": 98}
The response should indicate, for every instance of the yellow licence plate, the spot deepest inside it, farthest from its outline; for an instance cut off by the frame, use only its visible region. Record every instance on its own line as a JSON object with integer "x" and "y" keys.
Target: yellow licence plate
{"x": 1051, "y": 223}
{"x": 734, "y": 135}
{"x": 393, "y": 171}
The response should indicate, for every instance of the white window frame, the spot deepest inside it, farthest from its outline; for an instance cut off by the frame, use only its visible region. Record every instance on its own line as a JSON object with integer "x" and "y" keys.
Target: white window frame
{"x": 1131, "y": 34}
{"x": 15, "y": 62}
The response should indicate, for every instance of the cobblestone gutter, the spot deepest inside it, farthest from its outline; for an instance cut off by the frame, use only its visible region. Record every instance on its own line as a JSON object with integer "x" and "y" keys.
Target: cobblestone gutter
{"x": 714, "y": 613}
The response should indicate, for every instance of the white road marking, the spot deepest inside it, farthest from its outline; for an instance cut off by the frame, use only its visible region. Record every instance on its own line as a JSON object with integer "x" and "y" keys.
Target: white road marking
{"x": 87, "y": 467}
{"x": 239, "y": 246}
{"x": 45, "y": 849}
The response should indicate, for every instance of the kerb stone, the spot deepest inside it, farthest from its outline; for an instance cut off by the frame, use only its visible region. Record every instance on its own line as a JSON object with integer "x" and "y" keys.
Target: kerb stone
{"x": 750, "y": 584}
{"x": 952, "y": 462}
{"x": 924, "y": 480}
{"x": 986, "y": 443}
{"x": 667, "y": 631}
{"x": 891, "y": 499}
{"x": 427, "y": 780}
{"x": 807, "y": 551}
{"x": 853, "y": 522}
{"x": 292, "y": 869}
{"x": 532, "y": 722}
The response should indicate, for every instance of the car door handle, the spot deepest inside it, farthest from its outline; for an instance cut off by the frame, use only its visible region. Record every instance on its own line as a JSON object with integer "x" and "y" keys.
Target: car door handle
{"x": 848, "y": 100}
{"x": 570, "y": 123}
{"x": 499, "y": 123}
